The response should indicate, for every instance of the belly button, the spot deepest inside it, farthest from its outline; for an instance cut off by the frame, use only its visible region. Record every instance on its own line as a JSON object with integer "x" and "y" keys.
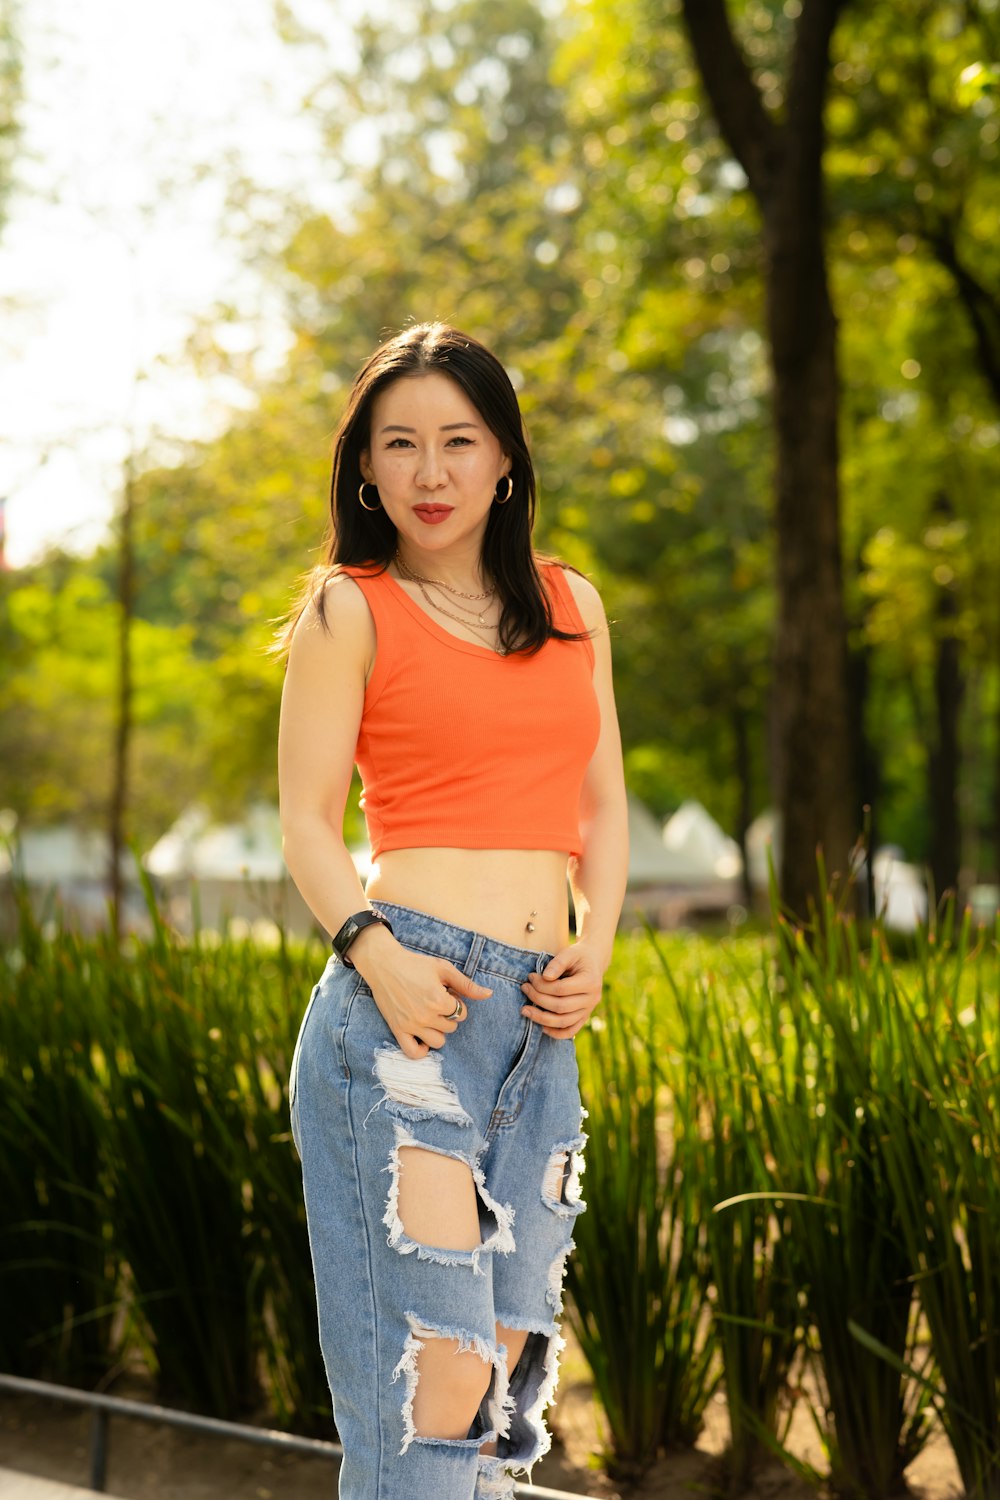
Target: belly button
{"x": 529, "y": 926}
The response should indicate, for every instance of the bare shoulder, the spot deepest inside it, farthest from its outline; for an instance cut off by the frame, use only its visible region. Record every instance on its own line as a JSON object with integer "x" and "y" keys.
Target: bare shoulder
{"x": 336, "y": 615}
{"x": 587, "y": 598}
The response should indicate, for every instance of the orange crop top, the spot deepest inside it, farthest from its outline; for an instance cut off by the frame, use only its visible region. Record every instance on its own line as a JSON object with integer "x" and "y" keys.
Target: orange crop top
{"x": 462, "y": 748}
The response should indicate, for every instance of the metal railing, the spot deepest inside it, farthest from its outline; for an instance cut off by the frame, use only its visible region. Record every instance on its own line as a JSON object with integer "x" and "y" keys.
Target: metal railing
{"x": 103, "y": 1408}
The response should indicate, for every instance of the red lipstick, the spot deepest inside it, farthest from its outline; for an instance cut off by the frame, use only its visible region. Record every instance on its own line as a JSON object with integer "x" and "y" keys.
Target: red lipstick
{"x": 433, "y": 515}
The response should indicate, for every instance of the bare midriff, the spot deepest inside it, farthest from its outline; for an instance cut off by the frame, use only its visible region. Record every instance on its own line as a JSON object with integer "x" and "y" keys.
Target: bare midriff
{"x": 518, "y": 896}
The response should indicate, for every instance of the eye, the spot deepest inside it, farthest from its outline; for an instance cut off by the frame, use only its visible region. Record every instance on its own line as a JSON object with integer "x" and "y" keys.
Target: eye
{"x": 466, "y": 442}
{"x": 399, "y": 442}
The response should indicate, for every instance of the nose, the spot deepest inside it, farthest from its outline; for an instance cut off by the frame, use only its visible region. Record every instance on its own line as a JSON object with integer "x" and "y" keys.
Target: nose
{"x": 430, "y": 471}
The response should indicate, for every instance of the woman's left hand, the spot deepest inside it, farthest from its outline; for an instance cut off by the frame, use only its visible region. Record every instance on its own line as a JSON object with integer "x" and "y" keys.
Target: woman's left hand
{"x": 563, "y": 998}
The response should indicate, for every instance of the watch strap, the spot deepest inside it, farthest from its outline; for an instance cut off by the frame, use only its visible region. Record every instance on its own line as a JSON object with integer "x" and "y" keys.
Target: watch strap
{"x": 345, "y": 937}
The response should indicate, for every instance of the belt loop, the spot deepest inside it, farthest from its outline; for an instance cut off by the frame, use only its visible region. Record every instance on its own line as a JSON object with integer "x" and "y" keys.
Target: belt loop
{"x": 475, "y": 953}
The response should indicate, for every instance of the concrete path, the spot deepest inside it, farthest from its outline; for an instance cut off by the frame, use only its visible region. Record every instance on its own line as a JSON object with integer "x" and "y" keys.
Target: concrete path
{"x": 15, "y": 1486}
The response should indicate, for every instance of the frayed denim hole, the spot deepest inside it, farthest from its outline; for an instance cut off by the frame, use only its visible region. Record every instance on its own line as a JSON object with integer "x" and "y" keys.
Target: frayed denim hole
{"x": 415, "y": 1088}
{"x": 532, "y": 1387}
{"x": 490, "y": 1422}
{"x": 557, "y": 1277}
{"x": 561, "y": 1180}
{"x": 495, "y": 1219}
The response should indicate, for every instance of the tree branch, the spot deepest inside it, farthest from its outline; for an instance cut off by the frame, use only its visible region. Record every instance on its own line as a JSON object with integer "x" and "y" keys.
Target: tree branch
{"x": 752, "y": 136}
{"x": 805, "y": 96}
{"x": 807, "y": 86}
{"x": 981, "y": 305}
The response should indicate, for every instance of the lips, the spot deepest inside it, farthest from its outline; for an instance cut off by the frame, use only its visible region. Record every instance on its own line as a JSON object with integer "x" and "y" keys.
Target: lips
{"x": 433, "y": 514}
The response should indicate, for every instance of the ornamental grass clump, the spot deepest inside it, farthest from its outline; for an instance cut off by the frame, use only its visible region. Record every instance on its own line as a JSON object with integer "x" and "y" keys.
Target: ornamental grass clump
{"x": 59, "y": 1264}
{"x": 828, "y": 1049}
{"x": 151, "y": 1194}
{"x": 639, "y": 1278}
{"x": 940, "y": 1138}
{"x": 205, "y": 1182}
{"x": 753, "y": 1296}
{"x": 180, "y": 1211}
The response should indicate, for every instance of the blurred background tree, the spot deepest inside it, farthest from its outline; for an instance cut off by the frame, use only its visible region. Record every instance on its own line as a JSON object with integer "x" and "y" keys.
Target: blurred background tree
{"x": 10, "y": 95}
{"x": 552, "y": 179}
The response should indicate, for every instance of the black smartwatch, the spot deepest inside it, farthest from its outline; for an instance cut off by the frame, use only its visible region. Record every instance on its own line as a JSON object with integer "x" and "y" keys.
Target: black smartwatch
{"x": 345, "y": 937}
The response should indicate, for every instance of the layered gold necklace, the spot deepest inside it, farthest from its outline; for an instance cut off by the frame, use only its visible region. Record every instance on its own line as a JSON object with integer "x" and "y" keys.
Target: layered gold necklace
{"x": 478, "y": 625}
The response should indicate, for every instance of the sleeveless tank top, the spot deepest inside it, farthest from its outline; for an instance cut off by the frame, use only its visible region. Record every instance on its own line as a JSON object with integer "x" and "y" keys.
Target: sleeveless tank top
{"x": 462, "y": 748}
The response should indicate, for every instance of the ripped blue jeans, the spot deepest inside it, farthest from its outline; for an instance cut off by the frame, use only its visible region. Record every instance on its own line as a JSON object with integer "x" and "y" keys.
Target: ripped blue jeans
{"x": 500, "y": 1096}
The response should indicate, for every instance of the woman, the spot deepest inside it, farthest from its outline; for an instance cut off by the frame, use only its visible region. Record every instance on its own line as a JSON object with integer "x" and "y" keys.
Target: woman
{"x": 433, "y": 1089}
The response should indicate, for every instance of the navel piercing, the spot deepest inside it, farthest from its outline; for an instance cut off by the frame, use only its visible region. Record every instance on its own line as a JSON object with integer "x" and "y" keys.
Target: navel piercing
{"x": 530, "y": 926}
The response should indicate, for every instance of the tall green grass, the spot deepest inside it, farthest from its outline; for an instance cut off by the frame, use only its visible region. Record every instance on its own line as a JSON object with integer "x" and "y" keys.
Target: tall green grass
{"x": 835, "y": 1114}
{"x": 640, "y": 1277}
{"x": 149, "y": 1167}
{"x": 940, "y": 1138}
{"x": 59, "y": 1263}
{"x": 830, "y": 1047}
{"x": 792, "y": 1163}
{"x": 754, "y": 1303}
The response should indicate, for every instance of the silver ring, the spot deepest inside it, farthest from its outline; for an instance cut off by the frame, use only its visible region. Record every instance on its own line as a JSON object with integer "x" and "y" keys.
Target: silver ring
{"x": 453, "y": 1015}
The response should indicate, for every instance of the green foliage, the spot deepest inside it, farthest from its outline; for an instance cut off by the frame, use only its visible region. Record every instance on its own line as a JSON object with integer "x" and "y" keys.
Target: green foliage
{"x": 940, "y": 1141}
{"x": 830, "y": 1045}
{"x": 553, "y": 180}
{"x": 639, "y": 1279}
{"x": 59, "y": 1264}
{"x": 756, "y": 1299}
{"x": 148, "y": 1165}
{"x": 59, "y": 684}
{"x": 792, "y": 1079}
{"x": 791, "y": 1157}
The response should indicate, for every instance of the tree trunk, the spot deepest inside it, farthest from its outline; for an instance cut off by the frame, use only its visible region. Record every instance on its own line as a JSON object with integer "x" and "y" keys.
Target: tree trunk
{"x": 996, "y": 797}
{"x": 741, "y": 739}
{"x": 784, "y": 165}
{"x": 866, "y": 769}
{"x": 817, "y": 805}
{"x": 944, "y": 755}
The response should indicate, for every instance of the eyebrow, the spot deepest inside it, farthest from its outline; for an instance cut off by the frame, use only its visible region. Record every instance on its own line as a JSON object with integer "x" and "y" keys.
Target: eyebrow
{"x": 451, "y": 427}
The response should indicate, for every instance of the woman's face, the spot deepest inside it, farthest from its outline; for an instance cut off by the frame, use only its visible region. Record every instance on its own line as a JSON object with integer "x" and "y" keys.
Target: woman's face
{"x": 434, "y": 460}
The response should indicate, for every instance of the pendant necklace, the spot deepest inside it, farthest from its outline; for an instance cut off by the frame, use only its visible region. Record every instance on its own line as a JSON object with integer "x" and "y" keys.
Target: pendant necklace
{"x": 479, "y": 625}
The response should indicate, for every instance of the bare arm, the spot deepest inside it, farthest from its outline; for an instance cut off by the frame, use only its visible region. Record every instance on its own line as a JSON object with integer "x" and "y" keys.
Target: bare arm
{"x": 563, "y": 999}
{"x": 321, "y": 708}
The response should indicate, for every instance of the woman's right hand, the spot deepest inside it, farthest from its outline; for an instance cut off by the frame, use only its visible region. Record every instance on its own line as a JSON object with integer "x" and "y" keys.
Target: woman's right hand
{"x": 415, "y": 993}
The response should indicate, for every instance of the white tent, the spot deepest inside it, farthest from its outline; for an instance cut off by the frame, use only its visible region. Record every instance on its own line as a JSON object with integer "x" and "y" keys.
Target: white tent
{"x": 66, "y": 871}
{"x": 697, "y": 849}
{"x": 195, "y": 848}
{"x": 648, "y": 861}
{"x": 900, "y": 890}
{"x": 61, "y": 856}
{"x": 218, "y": 873}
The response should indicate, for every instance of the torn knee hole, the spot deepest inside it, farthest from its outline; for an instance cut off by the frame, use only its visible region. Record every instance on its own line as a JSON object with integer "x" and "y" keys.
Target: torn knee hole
{"x": 451, "y": 1386}
{"x": 456, "y": 1386}
{"x": 438, "y": 1203}
{"x": 438, "y": 1207}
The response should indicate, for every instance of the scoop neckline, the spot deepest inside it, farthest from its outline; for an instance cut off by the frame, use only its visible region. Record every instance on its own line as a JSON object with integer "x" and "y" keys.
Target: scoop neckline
{"x": 427, "y": 620}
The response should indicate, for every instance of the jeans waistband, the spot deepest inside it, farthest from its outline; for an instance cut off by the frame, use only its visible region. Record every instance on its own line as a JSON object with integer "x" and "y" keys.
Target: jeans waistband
{"x": 458, "y": 944}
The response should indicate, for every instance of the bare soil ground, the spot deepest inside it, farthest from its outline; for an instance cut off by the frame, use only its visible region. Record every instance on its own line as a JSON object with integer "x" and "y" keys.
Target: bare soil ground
{"x": 159, "y": 1463}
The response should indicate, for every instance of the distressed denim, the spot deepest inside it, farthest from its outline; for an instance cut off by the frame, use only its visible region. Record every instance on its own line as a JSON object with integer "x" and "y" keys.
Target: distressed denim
{"x": 501, "y": 1096}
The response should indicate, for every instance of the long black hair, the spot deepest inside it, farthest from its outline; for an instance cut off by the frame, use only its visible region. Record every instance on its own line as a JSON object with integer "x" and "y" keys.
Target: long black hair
{"x": 367, "y": 538}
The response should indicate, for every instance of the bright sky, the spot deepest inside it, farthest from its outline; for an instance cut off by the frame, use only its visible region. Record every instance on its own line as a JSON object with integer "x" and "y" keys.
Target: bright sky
{"x": 136, "y": 118}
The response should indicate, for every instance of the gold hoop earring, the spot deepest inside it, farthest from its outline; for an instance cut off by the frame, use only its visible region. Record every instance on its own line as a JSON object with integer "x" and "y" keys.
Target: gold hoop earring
{"x": 361, "y": 496}
{"x": 510, "y": 491}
